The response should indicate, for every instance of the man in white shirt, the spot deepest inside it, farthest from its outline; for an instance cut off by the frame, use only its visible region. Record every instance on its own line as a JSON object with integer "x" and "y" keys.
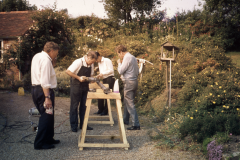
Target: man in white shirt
{"x": 79, "y": 88}
{"x": 44, "y": 79}
{"x": 128, "y": 68}
{"x": 107, "y": 74}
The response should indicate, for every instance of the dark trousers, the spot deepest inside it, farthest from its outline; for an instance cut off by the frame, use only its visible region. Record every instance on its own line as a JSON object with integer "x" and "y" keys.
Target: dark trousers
{"x": 102, "y": 103}
{"x": 77, "y": 96}
{"x": 46, "y": 121}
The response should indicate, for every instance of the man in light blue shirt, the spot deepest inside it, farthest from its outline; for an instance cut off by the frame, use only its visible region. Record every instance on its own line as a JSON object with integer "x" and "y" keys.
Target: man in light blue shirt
{"x": 128, "y": 69}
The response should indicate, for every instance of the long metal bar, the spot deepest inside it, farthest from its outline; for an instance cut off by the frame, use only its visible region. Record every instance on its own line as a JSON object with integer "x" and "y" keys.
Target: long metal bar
{"x": 170, "y": 84}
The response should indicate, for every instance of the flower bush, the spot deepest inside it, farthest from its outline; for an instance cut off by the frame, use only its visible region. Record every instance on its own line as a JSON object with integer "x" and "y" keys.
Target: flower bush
{"x": 210, "y": 102}
{"x": 48, "y": 25}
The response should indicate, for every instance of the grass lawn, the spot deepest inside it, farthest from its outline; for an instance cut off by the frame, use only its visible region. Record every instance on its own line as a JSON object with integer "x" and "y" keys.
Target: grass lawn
{"x": 235, "y": 57}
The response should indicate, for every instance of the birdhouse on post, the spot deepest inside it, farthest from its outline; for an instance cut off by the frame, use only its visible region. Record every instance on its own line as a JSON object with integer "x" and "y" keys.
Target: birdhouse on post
{"x": 168, "y": 52}
{"x": 168, "y": 55}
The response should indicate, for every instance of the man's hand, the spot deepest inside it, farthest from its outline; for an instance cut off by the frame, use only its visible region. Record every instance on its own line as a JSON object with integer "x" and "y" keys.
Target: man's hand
{"x": 119, "y": 61}
{"x": 82, "y": 79}
{"x": 100, "y": 75}
{"x": 48, "y": 103}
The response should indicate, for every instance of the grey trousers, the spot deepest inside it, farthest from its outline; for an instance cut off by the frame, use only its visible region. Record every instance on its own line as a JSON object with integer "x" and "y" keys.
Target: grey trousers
{"x": 130, "y": 88}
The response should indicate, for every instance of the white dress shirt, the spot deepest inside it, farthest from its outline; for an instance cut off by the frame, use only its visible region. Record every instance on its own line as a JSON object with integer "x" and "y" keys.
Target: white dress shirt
{"x": 78, "y": 63}
{"x": 42, "y": 71}
{"x": 106, "y": 67}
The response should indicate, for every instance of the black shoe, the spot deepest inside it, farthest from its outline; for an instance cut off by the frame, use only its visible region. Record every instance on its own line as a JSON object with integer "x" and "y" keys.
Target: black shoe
{"x": 104, "y": 113}
{"x": 55, "y": 141}
{"x": 74, "y": 129}
{"x": 98, "y": 112}
{"x": 45, "y": 146}
{"x": 88, "y": 128}
{"x": 134, "y": 128}
{"x": 126, "y": 123}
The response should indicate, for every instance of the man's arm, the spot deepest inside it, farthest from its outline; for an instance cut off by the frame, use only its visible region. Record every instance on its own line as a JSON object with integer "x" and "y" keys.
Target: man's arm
{"x": 75, "y": 76}
{"x": 48, "y": 101}
{"x": 122, "y": 67}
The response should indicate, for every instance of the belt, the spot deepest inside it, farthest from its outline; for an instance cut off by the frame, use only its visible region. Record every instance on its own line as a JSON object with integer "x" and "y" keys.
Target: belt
{"x": 37, "y": 86}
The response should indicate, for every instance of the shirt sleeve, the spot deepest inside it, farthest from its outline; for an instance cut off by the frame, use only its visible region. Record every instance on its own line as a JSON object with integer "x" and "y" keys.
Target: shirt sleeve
{"x": 122, "y": 67}
{"x": 92, "y": 70}
{"x": 75, "y": 66}
{"x": 45, "y": 78}
{"x": 109, "y": 67}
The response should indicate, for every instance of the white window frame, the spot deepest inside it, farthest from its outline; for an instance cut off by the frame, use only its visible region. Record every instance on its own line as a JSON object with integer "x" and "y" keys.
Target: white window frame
{"x": 1, "y": 57}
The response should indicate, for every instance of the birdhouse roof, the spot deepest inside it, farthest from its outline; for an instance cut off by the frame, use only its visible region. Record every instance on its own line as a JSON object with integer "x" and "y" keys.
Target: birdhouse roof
{"x": 169, "y": 46}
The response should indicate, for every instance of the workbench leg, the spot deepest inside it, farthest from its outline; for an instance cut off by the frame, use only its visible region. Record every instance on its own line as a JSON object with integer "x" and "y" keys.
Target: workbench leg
{"x": 84, "y": 127}
{"x": 110, "y": 112}
{"x": 120, "y": 123}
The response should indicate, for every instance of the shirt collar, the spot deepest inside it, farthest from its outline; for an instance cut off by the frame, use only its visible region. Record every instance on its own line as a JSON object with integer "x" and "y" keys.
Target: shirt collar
{"x": 45, "y": 53}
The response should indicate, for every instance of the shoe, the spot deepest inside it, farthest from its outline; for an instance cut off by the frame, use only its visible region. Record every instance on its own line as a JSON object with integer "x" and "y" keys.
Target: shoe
{"x": 88, "y": 128}
{"x": 45, "y": 146}
{"x": 134, "y": 128}
{"x": 74, "y": 129}
{"x": 104, "y": 113}
{"x": 55, "y": 141}
{"x": 98, "y": 112}
{"x": 126, "y": 123}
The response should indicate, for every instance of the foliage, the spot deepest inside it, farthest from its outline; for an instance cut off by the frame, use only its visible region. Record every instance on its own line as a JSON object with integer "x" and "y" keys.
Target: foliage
{"x": 209, "y": 100}
{"x": 63, "y": 82}
{"x": 16, "y": 5}
{"x": 151, "y": 85}
{"x": 118, "y": 10}
{"x": 137, "y": 48}
{"x": 48, "y": 25}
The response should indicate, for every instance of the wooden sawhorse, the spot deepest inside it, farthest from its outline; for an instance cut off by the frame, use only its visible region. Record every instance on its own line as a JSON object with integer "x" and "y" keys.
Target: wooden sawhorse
{"x": 122, "y": 136}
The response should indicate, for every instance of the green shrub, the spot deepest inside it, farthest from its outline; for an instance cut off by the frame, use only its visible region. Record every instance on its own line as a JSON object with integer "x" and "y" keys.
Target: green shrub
{"x": 151, "y": 85}
{"x": 48, "y": 25}
{"x": 206, "y": 141}
{"x": 210, "y": 102}
{"x": 63, "y": 82}
{"x": 136, "y": 48}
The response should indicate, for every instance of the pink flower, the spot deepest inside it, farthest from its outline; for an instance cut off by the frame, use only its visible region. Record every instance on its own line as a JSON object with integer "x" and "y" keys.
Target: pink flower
{"x": 230, "y": 134}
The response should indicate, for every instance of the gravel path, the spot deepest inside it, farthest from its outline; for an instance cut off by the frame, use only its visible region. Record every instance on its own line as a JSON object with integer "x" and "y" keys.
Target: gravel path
{"x": 17, "y": 137}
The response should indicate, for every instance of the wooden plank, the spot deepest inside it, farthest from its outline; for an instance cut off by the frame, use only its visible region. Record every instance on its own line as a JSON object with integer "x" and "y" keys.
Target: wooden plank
{"x": 110, "y": 112}
{"x": 95, "y": 95}
{"x": 104, "y": 145}
{"x": 84, "y": 127}
{"x": 100, "y": 122}
{"x": 107, "y": 116}
{"x": 121, "y": 125}
{"x": 96, "y": 86}
{"x": 103, "y": 136}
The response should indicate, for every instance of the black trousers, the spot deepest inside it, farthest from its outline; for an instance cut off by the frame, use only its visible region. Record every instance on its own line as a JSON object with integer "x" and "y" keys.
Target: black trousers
{"x": 102, "y": 103}
{"x": 77, "y": 96}
{"x": 46, "y": 121}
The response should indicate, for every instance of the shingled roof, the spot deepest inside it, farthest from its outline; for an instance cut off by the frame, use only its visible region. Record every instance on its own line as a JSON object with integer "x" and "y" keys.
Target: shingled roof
{"x": 15, "y": 23}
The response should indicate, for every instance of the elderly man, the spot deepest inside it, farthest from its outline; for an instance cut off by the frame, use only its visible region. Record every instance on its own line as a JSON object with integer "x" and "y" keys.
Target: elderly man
{"x": 128, "y": 69}
{"x": 43, "y": 79}
{"x": 79, "y": 87}
{"x": 107, "y": 74}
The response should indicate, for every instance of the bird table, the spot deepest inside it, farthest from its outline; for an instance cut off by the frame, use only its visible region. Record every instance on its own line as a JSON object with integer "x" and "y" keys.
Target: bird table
{"x": 100, "y": 95}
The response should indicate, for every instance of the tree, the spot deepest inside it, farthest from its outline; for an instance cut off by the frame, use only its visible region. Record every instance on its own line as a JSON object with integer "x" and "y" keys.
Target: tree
{"x": 16, "y": 5}
{"x": 48, "y": 25}
{"x": 123, "y": 9}
{"x": 225, "y": 17}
